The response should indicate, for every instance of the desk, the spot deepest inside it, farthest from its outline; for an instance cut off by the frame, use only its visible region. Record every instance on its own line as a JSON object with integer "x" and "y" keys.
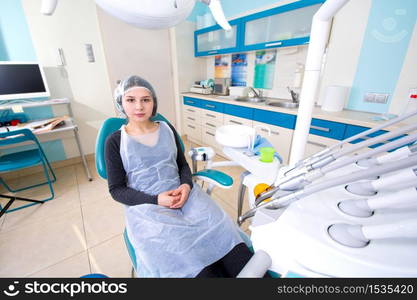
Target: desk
{"x": 68, "y": 126}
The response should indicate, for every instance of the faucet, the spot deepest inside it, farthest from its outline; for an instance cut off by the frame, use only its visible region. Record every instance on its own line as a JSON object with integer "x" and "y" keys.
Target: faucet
{"x": 294, "y": 95}
{"x": 257, "y": 93}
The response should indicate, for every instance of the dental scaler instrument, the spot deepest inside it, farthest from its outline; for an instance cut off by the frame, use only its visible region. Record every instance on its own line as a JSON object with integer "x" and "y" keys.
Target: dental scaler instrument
{"x": 296, "y": 182}
{"x": 280, "y": 202}
{"x": 318, "y": 156}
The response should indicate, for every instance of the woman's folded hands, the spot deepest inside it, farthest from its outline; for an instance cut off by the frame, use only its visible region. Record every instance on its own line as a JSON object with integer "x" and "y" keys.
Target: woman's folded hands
{"x": 175, "y": 198}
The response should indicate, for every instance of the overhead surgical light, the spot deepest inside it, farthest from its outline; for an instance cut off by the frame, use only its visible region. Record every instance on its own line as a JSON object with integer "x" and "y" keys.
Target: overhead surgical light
{"x": 151, "y": 14}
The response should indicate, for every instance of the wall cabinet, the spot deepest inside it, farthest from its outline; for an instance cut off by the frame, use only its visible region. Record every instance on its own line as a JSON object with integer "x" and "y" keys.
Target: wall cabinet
{"x": 214, "y": 40}
{"x": 283, "y": 26}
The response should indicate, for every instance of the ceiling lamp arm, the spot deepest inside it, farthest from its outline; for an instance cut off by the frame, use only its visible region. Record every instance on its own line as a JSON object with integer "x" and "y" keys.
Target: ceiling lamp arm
{"x": 218, "y": 13}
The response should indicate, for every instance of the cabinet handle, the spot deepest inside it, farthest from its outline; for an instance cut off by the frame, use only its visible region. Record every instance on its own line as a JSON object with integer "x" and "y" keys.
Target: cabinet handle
{"x": 275, "y": 132}
{"x": 316, "y": 144}
{"x": 211, "y": 125}
{"x": 209, "y": 115}
{"x": 212, "y": 52}
{"x": 192, "y": 119}
{"x": 191, "y": 126}
{"x": 320, "y": 128}
{"x": 210, "y": 106}
{"x": 209, "y": 133}
{"x": 273, "y": 44}
{"x": 236, "y": 122}
{"x": 191, "y": 110}
{"x": 189, "y": 101}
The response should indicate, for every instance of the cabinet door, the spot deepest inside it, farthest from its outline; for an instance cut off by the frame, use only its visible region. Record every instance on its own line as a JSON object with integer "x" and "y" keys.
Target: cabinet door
{"x": 317, "y": 143}
{"x": 280, "y": 138}
{"x": 215, "y": 40}
{"x": 287, "y": 25}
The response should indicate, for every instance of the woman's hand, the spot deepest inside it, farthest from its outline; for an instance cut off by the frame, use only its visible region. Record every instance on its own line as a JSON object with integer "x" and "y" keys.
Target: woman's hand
{"x": 168, "y": 198}
{"x": 183, "y": 191}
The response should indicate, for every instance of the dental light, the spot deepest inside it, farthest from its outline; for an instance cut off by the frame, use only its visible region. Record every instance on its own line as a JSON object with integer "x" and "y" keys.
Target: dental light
{"x": 151, "y": 14}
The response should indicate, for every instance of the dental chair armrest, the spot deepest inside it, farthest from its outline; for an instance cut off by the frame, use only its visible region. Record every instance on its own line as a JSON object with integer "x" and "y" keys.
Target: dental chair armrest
{"x": 217, "y": 178}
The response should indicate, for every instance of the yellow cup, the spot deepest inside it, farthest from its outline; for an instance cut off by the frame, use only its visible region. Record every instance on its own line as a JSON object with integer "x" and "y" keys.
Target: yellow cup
{"x": 267, "y": 154}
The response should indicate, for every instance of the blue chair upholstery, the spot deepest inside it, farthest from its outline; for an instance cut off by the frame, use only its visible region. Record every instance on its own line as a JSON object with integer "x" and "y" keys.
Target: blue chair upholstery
{"x": 113, "y": 124}
{"x": 20, "y": 160}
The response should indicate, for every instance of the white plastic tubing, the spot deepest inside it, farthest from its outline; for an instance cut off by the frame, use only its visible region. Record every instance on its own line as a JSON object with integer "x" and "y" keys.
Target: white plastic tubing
{"x": 318, "y": 38}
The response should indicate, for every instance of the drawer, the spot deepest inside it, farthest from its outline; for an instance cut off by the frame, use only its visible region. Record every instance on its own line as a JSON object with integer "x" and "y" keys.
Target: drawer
{"x": 194, "y": 111}
{"x": 208, "y": 137}
{"x": 210, "y": 124}
{"x": 274, "y": 118}
{"x": 280, "y": 138}
{"x": 211, "y": 105}
{"x": 191, "y": 101}
{"x": 316, "y": 144}
{"x": 232, "y": 120}
{"x": 239, "y": 111}
{"x": 192, "y": 117}
{"x": 192, "y": 130}
{"x": 328, "y": 129}
{"x": 212, "y": 116}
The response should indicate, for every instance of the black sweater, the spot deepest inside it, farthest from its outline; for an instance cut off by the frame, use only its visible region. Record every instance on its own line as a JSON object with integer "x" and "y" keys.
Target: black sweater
{"x": 116, "y": 174}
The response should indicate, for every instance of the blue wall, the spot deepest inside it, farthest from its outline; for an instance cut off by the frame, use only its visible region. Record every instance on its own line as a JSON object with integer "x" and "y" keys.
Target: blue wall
{"x": 15, "y": 36}
{"x": 387, "y": 36}
{"x": 16, "y": 45}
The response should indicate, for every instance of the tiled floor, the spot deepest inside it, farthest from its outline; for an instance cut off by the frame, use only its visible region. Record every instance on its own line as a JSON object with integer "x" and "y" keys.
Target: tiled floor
{"x": 79, "y": 231}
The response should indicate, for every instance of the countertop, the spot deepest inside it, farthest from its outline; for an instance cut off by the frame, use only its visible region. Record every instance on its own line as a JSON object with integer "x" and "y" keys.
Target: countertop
{"x": 358, "y": 118}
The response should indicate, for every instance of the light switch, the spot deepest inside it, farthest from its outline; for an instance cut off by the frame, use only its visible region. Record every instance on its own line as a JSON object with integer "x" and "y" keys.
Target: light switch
{"x": 90, "y": 52}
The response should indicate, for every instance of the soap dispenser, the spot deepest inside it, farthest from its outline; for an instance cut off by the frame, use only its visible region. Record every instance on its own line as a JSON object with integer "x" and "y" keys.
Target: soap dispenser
{"x": 298, "y": 78}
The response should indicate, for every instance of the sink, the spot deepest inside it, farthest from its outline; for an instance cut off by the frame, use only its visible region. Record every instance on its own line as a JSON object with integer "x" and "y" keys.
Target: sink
{"x": 285, "y": 104}
{"x": 250, "y": 99}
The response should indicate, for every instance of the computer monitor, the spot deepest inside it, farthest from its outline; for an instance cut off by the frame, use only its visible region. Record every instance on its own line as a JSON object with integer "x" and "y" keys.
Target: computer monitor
{"x": 20, "y": 80}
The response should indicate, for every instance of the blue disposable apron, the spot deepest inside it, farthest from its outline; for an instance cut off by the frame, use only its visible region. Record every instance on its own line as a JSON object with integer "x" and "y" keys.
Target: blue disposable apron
{"x": 171, "y": 242}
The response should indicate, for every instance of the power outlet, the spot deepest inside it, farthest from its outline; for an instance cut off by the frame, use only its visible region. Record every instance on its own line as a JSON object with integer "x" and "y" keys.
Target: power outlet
{"x": 376, "y": 98}
{"x": 412, "y": 94}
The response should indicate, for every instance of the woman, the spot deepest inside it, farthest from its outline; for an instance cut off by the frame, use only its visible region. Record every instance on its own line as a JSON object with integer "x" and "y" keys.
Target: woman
{"x": 177, "y": 230}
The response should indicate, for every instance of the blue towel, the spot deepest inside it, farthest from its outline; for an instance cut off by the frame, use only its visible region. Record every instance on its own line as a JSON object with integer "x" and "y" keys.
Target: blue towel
{"x": 263, "y": 142}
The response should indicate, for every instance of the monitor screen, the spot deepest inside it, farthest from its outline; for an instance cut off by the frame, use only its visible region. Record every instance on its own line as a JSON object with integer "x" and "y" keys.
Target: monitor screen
{"x": 22, "y": 80}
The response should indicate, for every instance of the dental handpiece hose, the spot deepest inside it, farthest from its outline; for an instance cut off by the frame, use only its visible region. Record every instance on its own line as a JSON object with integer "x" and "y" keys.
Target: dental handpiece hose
{"x": 296, "y": 182}
{"x": 311, "y": 189}
{"x": 326, "y": 159}
{"x": 319, "y": 154}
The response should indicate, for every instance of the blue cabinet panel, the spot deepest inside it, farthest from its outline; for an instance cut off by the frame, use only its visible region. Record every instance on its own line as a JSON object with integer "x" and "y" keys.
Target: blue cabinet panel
{"x": 328, "y": 129}
{"x": 238, "y": 111}
{"x": 352, "y": 130}
{"x": 192, "y": 101}
{"x": 274, "y": 118}
{"x": 211, "y": 105}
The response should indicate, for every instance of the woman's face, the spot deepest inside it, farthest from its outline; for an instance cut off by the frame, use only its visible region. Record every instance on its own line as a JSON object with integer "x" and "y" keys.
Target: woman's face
{"x": 138, "y": 104}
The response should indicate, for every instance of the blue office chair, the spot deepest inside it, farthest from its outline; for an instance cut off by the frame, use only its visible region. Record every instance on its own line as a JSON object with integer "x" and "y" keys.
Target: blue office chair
{"x": 111, "y": 125}
{"x": 20, "y": 160}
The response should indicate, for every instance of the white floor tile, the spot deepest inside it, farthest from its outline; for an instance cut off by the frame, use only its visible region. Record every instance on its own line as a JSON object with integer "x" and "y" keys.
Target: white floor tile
{"x": 73, "y": 267}
{"x": 59, "y": 206}
{"x": 111, "y": 258}
{"x": 31, "y": 248}
{"x": 103, "y": 220}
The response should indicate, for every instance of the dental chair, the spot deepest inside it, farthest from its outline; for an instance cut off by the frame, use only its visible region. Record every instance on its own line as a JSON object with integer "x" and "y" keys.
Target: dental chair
{"x": 214, "y": 178}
